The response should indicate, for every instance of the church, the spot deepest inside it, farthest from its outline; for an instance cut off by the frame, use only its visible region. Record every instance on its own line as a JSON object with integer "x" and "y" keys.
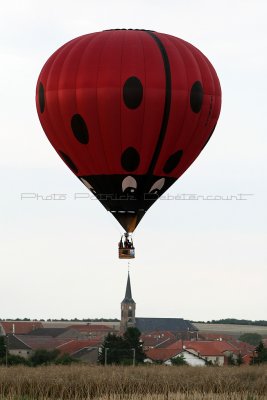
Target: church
{"x": 178, "y": 326}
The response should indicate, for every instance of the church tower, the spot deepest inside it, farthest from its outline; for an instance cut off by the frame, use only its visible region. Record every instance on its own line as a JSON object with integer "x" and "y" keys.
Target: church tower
{"x": 127, "y": 308}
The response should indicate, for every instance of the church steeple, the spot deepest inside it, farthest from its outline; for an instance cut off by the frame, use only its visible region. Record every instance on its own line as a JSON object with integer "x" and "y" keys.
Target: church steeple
{"x": 128, "y": 294}
{"x": 127, "y": 308}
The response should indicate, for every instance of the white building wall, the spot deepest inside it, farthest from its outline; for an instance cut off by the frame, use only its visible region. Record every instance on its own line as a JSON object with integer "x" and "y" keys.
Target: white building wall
{"x": 22, "y": 353}
{"x": 191, "y": 359}
{"x": 217, "y": 360}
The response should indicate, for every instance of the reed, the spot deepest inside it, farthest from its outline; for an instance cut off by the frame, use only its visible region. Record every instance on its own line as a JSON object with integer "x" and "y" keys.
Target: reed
{"x": 80, "y": 382}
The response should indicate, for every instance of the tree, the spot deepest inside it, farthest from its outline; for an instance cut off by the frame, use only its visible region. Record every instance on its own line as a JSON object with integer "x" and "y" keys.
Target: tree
{"x": 261, "y": 352}
{"x": 13, "y": 359}
{"x": 180, "y": 360}
{"x": 65, "y": 359}
{"x": 2, "y": 346}
{"x": 231, "y": 360}
{"x": 132, "y": 340}
{"x": 121, "y": 350}
{"x": 44, "y": 357}
{"x": 239, "y": 360}
{"x": 111, "y": 350}
{"x": 251, "y": 338}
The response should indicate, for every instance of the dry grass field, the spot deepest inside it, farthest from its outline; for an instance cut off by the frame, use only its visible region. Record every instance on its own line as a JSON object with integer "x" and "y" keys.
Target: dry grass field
{"x": 133, "y": 383}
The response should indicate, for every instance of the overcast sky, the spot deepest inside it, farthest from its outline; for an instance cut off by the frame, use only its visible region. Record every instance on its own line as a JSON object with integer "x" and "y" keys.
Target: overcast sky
{"x": 195, "y": 259}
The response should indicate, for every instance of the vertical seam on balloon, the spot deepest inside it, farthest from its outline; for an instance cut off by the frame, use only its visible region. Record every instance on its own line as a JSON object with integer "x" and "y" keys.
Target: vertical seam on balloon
{"x": 192, "y": 50}
{"x": 144, "y": 103}
{"x": 187, "y": 49}
{"x": 187, "y": 108}
{"x": 187, "y": 94}
{"x": 216, "y": 94}
{"x": 97, "y": 79}
{"x": 66, "y": 124}
{"x": 144, "y": 182}
{"x": 167, "y": 105}
{"x": 94, "y": 36}
{"x": 199, "y": 114}
{"x": 122, "y": 50}
{"x": 57, "y": 136}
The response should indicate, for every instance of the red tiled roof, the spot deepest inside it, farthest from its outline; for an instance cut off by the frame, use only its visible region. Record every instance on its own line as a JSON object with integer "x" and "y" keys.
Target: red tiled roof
{"x": 205, "y": 348}
{"x": 162, "y": 354}
{"x": 243, "y": 347}
{"x": 210, "y": 348}
{"x": 73, "y": 346}
{"x": 20, "y": 327}
{"x": 176, "y": 345}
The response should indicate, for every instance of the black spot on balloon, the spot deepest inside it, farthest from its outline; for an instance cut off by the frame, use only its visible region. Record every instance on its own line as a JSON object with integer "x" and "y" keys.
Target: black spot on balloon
{"x": 172, "y": 161}
{"x": 132, "y": 92}
{"x": 41, "y": 97}
{"x": 79, "y": 128}
{"x": 196, "y": 97}
{"x": 130, "y": 159}
{"x": 69, "y": 162}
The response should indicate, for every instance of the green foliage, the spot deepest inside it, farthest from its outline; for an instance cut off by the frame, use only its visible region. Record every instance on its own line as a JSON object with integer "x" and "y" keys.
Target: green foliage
{"x": 251, "y": 338}
{"x": 114, "y": 350}
{"x": 65, "y": 359}
{"x": 239, "y": 360}
{"x": 231, "y": 360}
{"x": 132, "y": 340}
{"x": 14, "y": 360}
{"x": 44, "y": 357}
{"x": 2, "y": 346}
{"x": 40, "y": 357}
{"x": 17, "y": 360}
{"x": 178, "y": 361}
{"x": 261, "y": 352}
{"x": 121, "y": 350}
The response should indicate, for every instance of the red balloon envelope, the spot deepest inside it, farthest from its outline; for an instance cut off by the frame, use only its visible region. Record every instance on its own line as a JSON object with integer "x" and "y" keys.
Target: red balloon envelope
{"x": 128, "y": 111}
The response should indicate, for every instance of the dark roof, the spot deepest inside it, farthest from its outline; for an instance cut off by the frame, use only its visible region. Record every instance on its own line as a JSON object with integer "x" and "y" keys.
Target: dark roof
{"x": 48, "y": 332}
{"x": 41, "y": 342}
{"x": 128, "y": 294}
{"x": 16, "y": 344}
{"x": 168, "y": 324}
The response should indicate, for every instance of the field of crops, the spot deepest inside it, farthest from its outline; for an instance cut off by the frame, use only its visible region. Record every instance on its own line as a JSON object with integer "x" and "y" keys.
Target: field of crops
{"x": 131, "y": 383}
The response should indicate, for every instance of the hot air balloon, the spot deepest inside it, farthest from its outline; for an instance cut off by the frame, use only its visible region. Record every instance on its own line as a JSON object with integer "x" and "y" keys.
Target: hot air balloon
{"x": 128, "y": 111}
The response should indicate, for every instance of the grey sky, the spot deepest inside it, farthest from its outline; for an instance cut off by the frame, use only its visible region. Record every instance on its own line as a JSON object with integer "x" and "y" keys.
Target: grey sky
{"x": 197, "y": 259}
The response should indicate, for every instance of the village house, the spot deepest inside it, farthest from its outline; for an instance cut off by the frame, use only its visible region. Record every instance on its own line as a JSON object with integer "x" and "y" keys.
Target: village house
{"x": 163, "y": 339}
{"x": 165, "y": 356}
{"x": 85, "y": 350}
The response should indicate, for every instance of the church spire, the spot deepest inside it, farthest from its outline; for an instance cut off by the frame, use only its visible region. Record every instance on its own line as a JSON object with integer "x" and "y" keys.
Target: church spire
{"x": 128, "y": 294}
{"x": 127, "y": 308}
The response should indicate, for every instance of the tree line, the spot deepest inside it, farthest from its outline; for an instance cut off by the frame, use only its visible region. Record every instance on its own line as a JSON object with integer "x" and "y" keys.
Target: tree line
{"x": 234, "y": 321}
